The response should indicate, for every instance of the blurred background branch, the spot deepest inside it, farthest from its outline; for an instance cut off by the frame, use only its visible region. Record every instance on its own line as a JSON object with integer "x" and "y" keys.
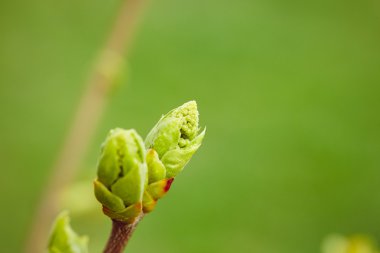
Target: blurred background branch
{"x": 85, "y": 121}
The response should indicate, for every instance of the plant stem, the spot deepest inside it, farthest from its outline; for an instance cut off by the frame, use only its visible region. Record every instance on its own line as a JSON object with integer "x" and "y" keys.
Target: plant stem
{"x": 120, "y": 234}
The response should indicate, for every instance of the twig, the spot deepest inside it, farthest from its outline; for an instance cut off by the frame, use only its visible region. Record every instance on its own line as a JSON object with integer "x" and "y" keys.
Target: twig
{"x": 86, "y": 119}
{"x": 120, "y": 234}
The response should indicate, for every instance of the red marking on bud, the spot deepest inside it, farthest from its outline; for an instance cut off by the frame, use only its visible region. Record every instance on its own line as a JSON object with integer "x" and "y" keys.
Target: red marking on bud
{"x": 168, "y": 184}
{"x": 106, "y": 211}
{"x": 138, "y": 206}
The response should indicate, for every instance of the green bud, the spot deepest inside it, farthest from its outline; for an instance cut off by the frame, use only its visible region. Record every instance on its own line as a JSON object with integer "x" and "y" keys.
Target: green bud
{"x": 122, "y": 175}
{"x": 176, "y": 159}
{"x": 154, "y": 192}
{"x": 176, "y": 138}
{"x": 63, "y": 239}
{"x": 171, "y": 144}
{"x": 157, "y": 170}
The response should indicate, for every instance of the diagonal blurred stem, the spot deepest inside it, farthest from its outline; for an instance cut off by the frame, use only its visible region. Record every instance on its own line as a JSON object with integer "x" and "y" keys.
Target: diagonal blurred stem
{"x": 85, "y": 120}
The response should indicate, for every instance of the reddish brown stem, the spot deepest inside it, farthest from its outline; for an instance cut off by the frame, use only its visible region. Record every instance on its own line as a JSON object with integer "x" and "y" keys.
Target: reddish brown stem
{"x": 119, "y": 237}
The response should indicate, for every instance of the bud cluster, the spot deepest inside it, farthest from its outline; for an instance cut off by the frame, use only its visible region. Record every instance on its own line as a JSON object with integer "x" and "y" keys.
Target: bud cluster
{"x": 133, "y": 176}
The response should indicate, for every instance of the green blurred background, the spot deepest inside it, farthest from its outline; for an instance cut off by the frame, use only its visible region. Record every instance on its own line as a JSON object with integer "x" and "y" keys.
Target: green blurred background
{"x": 289, "y": 92}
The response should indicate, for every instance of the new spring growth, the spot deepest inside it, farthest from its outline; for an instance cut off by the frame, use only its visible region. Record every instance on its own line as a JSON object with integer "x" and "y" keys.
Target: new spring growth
{"x": 122, "y": 175}
{"x": 171, "y": 144}
{"x": 131, "y": 179}
{"x": 63, "y": 239}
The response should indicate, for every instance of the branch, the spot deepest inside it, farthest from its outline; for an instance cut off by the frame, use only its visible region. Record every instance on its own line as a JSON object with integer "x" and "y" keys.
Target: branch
{"x": 120, "y": 234}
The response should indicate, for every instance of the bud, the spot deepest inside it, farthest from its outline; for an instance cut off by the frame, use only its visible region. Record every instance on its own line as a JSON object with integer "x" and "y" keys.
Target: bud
{"x": 171, "y": 144}
{"x": 175, "y": 138}
{"x": 63, "y": 239}
{"x": 122, "y": 175}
